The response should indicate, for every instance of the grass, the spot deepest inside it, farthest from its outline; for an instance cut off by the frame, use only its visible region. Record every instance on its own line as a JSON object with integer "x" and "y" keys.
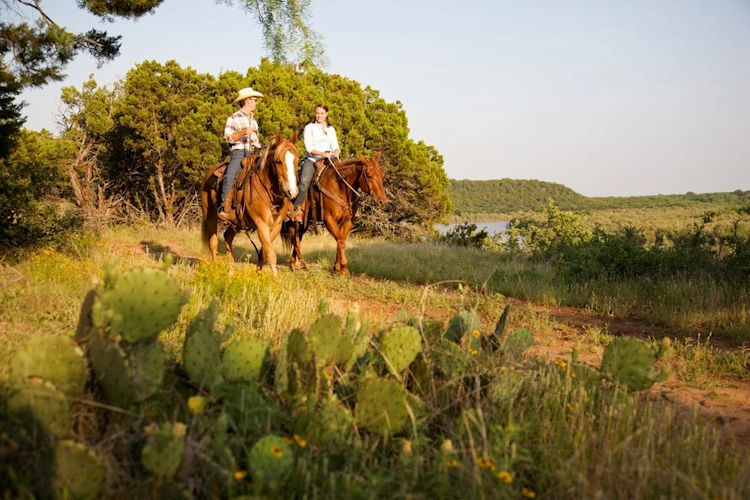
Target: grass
{"x": 517, "y": 428}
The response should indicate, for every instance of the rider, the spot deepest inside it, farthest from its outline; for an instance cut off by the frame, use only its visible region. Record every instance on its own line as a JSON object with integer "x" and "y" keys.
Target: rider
{"x": 320, "y": 142}
{"x": 241, "y": 131}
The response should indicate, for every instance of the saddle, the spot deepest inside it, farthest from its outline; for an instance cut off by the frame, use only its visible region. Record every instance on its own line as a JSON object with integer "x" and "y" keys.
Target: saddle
{"x": 248, "y": 169}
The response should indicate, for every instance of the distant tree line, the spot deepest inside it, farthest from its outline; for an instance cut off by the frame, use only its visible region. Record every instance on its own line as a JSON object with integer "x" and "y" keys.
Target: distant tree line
{"x": 507, "y": 196}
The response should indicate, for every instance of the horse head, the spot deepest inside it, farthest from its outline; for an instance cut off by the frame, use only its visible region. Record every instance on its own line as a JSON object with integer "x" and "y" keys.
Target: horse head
{"x": 371, "y": 181}
{"x": 284, "y": 161}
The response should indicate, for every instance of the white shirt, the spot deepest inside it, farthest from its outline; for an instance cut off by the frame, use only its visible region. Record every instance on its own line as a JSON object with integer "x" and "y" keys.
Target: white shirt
{"x": 317, "y": 139}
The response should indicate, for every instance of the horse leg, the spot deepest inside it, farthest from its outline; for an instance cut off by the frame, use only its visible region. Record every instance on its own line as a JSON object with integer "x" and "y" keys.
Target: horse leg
{"x": 298, "y": 250}
{"x": 292, "y": 228}
{"x": 264, "y": 234}
{"x": 344, "y": 230}
{"x": 229, "y": 235}
{"x": 334, "y": 229}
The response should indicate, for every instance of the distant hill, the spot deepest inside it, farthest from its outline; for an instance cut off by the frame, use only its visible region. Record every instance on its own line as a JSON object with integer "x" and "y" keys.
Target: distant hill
{"x": 506, "y": 196}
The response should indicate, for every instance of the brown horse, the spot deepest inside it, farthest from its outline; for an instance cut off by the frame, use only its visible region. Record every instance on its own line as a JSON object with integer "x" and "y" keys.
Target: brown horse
{"x": 334, "y": 199}
{"x": 262, "y": 199}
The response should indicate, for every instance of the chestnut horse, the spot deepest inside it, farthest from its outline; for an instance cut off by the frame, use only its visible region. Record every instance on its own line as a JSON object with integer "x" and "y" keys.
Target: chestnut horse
{"x": 334, "y": 199}
{"x": 264, "y": 194}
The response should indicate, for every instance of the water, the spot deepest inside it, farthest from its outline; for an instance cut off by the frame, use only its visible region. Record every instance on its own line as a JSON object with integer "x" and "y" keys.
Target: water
{"x": 491, "y": 227}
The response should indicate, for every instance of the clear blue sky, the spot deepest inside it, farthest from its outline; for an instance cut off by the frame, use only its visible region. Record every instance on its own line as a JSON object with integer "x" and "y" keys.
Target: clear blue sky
{"x": 609, "y": 98}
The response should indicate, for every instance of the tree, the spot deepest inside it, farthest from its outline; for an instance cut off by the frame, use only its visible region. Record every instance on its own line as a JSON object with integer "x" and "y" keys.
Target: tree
{"x": 11, "y": 120}
{"x": 36, "y": 50}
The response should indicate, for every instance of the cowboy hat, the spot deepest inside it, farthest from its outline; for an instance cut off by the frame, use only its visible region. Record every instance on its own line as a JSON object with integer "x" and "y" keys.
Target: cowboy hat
{"x": 245, "y": 93}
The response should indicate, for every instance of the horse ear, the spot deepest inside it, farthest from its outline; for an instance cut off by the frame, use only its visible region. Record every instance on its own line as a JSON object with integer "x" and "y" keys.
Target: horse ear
{"x": 294, "y": 137}
{"x": 277, "y": 138}
{"x": 377, "y": 157}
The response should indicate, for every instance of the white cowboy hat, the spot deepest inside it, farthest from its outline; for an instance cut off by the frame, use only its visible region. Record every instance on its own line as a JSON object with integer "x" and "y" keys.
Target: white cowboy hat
{"x": 245, "y": 93}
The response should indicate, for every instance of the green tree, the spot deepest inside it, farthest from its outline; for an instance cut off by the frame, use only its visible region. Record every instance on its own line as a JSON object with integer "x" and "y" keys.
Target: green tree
{"x": 11, "y": 120}
{"x": 167, "y": 134}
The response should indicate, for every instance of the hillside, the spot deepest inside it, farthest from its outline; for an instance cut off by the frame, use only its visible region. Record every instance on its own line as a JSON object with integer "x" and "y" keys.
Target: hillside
{"x": 506, "y": 196}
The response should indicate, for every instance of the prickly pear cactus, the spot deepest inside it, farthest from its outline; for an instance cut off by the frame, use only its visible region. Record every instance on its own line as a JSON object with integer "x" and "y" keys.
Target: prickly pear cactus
{"x": 630, "y": 361}
{"x": 331, "y": 424}
{"x": 243, "y": 360}
{"x": 298, "y": 348}
{"x": 146, "y": 361}
{"x": 137, "y": 304}
{"x": 201, "y": 355}
{"x": 79, "y": 472}
{"x": 449, "y": 358}
{"x": 330, "y": 346}
{"x": 112, "y": 368}
{"x": 164, "y": 448}
{"x": 461, "y": 326}
{"x": 47, "y": 405}
{"x": 495, "y": 339}
{"x": 55, "y": 358}
{"x": 360, "y": 335}
{"x": 400, "y": 346}
{"x": 381, "y": 406}
{"x": 519, "y": 339}
{"x": 271, "y": 460}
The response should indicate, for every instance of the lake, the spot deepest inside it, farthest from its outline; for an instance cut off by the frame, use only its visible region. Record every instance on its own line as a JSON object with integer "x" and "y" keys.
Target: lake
{"x": 491, "y": 227}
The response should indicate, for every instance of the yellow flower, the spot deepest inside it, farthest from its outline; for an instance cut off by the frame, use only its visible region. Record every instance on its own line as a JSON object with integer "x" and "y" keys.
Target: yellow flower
{"x": 451, "y": 463}
{"x": 447, "y": 446}
{"x": 486, "y": 463}
{"x": 196, "y": 405}
{"x": 476, "y": 334}
{"x": 179, "y": 429}
{"x": 572, "y": 373}
{"x": 505, "y": 476}
{"x": 406, "y": 447}
{"x": 239, "y": 475}
{"x": 300, "y": 440}
{"x": 561, "y": 363}
{"x": 277, "y": 451}
{"x": 473, "y": 351}
{"x": 528, "y": 493}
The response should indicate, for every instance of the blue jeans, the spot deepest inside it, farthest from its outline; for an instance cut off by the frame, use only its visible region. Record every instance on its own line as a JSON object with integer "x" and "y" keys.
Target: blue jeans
{"x": 233, "y": 170}
{"x": 305, "y": 178}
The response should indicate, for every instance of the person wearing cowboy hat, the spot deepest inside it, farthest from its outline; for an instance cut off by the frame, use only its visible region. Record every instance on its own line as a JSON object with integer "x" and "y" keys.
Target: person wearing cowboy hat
{"x": 241, "y": 132}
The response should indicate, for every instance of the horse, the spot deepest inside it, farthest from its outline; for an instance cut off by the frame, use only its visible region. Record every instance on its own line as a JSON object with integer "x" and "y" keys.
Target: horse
{"x": 334, "y": 200}
{"x": 262, "y": 192}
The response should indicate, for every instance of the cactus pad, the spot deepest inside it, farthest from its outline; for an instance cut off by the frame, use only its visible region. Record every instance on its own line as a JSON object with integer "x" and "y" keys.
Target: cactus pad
{"x": 201, "y": 355}
{"x": 519, "y": 339}
{"x": 449, "y": 358}
{"x": 164, "y": 449}
{"x": 243, "y": 360}
{"x": 79, "y": 472}
{"x": 630, "y": 361}
{"x": 381, "y": 406}
{"x": 328, "y": 343}
{"x": 146, "y": 361}
{"x": 47, "y": 404}
{"x": 137, "y": 304}
{"x": 110, "y": 363}
{"x": 271, "y": 459}
{"x": 400, "y": 346}
{"x": 461, "y": 326}
{"x": 55, "y": 358}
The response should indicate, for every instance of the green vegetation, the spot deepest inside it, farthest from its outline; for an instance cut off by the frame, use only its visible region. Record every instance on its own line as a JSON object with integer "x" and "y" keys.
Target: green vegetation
{"x": 323, "y": 398}
{"x": 509, "y": 198}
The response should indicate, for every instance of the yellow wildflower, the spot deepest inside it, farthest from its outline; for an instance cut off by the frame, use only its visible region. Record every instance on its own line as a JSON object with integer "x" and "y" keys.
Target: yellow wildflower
{"x": 277, "y": 451}
{"x": 179, "y": 429}
{"x": 476, "y": 334}
{"x": 486, "y": 463}
{"x": 473, "y": 351}
{"x": 406, "y": 447}
{"x": 239, "y": 475}
{"x": 505, "y": 476}
{"x": 528, "y": 493}
{"x": 301, "y": 442}
{"x": 447, "y": 446}
{"x": 451, "y": 463}
{"x": 196, "y": 405}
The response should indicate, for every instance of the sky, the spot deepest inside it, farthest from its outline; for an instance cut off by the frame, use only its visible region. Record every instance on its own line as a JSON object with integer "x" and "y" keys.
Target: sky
{"x": 606, "y": 97}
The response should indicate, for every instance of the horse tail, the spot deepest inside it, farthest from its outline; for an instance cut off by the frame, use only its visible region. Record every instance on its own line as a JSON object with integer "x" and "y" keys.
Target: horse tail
{"x": 210, "y": 216}
{"x": 286, "y": 236}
